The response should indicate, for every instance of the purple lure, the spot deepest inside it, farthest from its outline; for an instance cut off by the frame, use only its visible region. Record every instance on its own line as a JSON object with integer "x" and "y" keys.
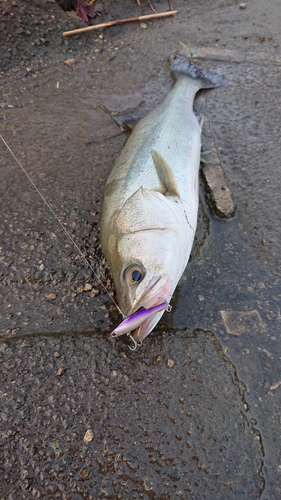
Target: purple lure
{"x": 132, "y": 322}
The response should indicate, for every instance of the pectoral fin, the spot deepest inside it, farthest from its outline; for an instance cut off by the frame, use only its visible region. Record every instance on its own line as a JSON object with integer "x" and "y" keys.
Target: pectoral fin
{"x": 165, "y": 174}
{"x": 128, "y": 119}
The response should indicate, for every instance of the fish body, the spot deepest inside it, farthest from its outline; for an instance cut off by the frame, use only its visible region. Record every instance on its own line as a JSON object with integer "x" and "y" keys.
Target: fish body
{"x": 150, "y": 201}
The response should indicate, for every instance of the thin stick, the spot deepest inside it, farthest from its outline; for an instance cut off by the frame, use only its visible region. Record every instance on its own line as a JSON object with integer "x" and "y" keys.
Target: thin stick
{"x": 120, "y": 21}
{"x": 62, "y": 226}
{"x": 151, "y": 6}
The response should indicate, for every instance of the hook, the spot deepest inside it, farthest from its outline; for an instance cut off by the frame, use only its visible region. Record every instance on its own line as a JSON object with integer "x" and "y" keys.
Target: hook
{"x": 136, "y": 345}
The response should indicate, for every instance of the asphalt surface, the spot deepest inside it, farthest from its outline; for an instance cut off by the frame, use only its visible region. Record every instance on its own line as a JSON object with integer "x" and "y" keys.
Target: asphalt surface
{"x": 195, "y": 413}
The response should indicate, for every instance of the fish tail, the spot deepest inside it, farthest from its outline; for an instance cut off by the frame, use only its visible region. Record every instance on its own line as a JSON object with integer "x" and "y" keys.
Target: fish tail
{"x": 182, "y": 67}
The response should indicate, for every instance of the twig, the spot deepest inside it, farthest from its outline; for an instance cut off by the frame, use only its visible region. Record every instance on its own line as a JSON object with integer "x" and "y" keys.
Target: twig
{"x": 151, "y": 6}
{"x": 119, "y": 21}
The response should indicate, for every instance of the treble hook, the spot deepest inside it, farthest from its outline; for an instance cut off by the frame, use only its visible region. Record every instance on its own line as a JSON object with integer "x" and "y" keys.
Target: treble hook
{"x": 136, "y": 345}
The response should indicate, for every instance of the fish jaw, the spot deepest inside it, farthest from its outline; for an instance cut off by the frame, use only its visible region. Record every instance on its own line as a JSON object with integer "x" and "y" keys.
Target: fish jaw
{"x": 160, "y": 291}
{"x": 147, "y": 311}
{"x": 147, "y": 326}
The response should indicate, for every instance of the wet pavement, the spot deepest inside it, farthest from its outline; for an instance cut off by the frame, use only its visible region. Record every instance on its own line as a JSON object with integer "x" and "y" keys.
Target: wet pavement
{"x": 195, "y": 413}
{"x": 145, "y": 439}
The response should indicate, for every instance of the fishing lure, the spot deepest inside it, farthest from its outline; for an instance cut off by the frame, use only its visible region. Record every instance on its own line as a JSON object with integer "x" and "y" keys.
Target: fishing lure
{"x": 136, "y": 319}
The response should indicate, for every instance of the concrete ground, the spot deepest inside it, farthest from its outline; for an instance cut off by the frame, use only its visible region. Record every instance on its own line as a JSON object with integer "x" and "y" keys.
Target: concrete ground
{"x": 194, "y": 413}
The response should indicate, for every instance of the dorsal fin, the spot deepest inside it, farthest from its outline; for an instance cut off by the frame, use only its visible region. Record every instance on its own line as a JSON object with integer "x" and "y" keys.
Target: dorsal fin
{"x": 165, "y": 174}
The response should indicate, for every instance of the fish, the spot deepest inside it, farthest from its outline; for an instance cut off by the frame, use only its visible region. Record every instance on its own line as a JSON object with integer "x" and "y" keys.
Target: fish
{"x": 150, "y": 202}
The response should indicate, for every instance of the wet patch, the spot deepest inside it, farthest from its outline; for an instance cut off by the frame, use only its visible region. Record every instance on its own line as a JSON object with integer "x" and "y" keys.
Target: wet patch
{"x": 83, "y": 416}
{"x": 239, "y": 322}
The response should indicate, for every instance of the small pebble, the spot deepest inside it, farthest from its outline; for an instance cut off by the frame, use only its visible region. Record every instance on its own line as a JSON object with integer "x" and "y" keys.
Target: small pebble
{"x": 84, "y": 473}
{"x": 56, "y": 354}
{"x": 60, "y": 371}
{"x": 275, "y": 386}
{"x": 88, "y": 287}
{"x": 242, "y": 6}
{"x": 170, "y": 363}
{"x": 52, "y": 296}
{"x": 143, "y": 25}
{"x": 88, "y": 436}
{"x": 69, "y": 62}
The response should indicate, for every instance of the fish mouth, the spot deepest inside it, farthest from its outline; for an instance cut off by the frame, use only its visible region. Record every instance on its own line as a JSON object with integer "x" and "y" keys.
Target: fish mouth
{"x": 158, "y": 292}
{"x": 142, "y": 331}
{"x": 146, "y": 311}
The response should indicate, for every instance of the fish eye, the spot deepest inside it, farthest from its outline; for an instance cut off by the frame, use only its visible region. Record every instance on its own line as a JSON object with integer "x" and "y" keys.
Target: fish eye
{"x": 134, "y": 275}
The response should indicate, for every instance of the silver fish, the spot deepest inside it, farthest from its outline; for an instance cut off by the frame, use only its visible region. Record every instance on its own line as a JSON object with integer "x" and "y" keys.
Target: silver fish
{"x": 150, "y": 201}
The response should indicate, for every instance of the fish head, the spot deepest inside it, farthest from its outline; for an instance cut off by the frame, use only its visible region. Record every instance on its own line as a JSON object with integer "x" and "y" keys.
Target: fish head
{"x": 147, "y": 243}
{"x": 146, "y": 272}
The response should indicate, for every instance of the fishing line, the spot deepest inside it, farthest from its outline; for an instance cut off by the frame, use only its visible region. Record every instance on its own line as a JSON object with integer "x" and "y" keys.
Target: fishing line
{"x": 62, "y": 226}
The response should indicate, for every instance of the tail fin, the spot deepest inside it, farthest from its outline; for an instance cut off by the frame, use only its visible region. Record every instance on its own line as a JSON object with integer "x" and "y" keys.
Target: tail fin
{"x": 181, "y": 67}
